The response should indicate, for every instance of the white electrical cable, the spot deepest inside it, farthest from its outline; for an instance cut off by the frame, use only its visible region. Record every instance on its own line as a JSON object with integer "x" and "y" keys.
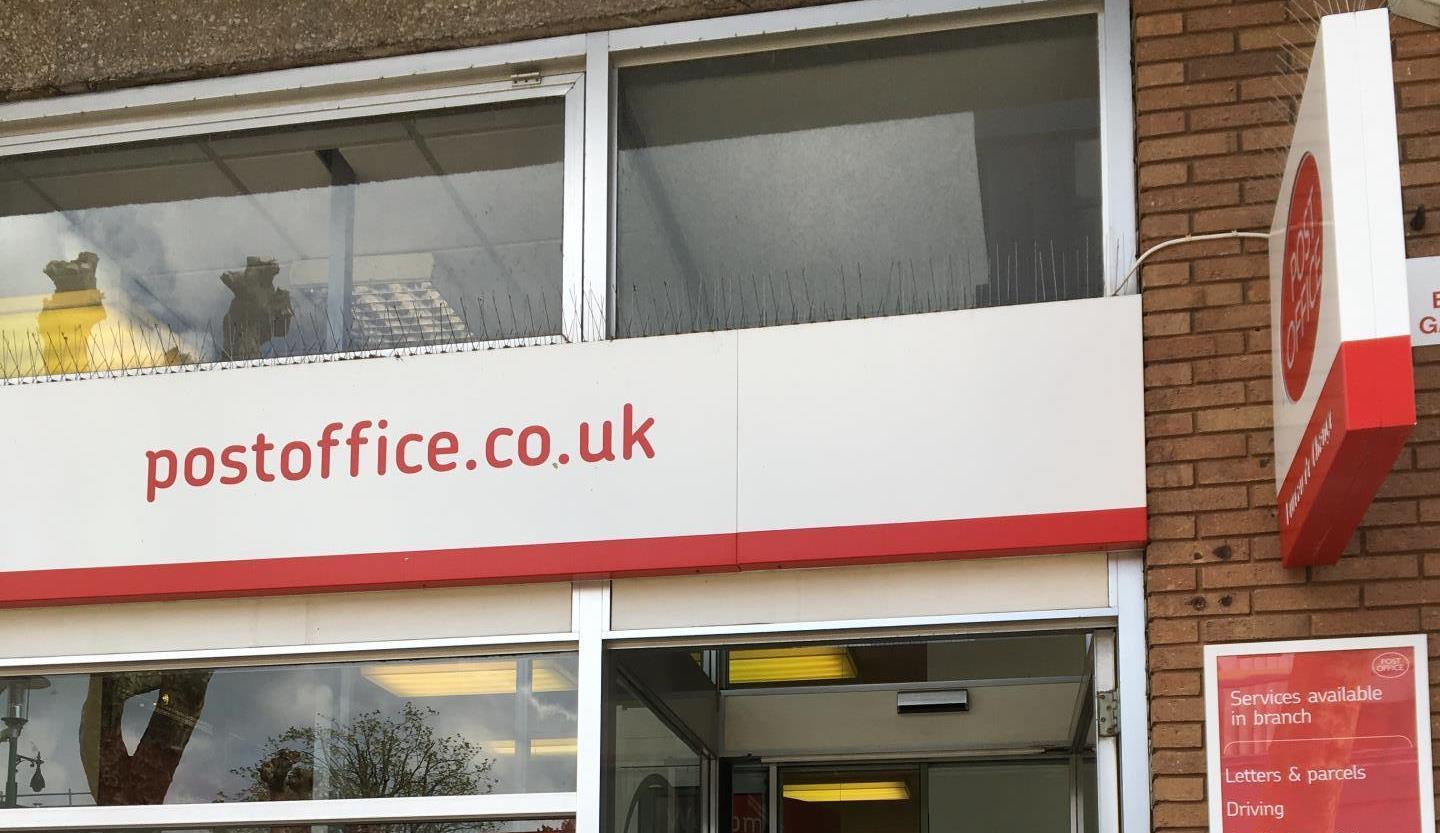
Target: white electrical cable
{"x": 1189, "y": 238}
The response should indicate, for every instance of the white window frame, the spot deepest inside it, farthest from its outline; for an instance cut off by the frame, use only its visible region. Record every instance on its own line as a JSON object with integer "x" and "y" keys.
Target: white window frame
{"x": 582, "y": 68}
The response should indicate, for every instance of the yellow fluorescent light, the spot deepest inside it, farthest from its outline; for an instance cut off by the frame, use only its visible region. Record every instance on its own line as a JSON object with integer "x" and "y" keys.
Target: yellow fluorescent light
{"x": 780, "y": 665}
{"x": 452, "y": 679}
{"x": 849, "y": 791}
{"x": 538, "y": 747}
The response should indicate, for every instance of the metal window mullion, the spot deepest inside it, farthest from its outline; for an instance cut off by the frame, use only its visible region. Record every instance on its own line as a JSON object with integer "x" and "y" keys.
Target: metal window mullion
{"x": 595, "y": 296}
{"x": 348, "y": 811}
{"x": 1117, "y": 143}
{"x": 572, "y": 234}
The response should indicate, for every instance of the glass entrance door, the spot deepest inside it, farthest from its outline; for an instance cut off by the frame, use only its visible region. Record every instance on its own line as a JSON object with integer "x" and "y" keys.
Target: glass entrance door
{"x": 951, "y": 734}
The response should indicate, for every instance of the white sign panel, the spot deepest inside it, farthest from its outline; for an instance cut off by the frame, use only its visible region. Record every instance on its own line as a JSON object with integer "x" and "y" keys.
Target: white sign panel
{"x": 1006, "y": 430}
{"x": 1424, "y": 275}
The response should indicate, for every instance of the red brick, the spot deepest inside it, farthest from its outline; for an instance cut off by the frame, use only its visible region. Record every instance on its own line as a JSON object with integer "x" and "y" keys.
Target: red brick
{"x": 1246, "y": 628}
{"x": 1189, "y": 95}
{"x": 1249, "y": 574}
{"x": 1169, "y": 173}
{"x": 1188, "y": 197}
{"x": 1194, "y": 396}
{"x": 1239, "y": 65}
{"x": 1234, "y": 419}
{"x": 1169, "y": 425}
{"x": 1177, "y": 736}
{"x": 1235, "y": 16}
{"x": 1173, "y": 631}
{"x": 1170, "y": 580}
{"x": 1243, "y": 522}
{"x": 1176, "y": 788}
{"x": 1306, "y": 597}
{"x": 1249, "y": 366}
{"x": 1370, "y": 621}
{"x": 1185, "y": 46}
{"x": 1154, "y": 25}
{"x": 1203, "y": 499}
{"x": 1171, "y": 475}
{"x": 1241, "y": 470}
{"x": 1244, "y": 114}
{"x": 1154, "y": 75}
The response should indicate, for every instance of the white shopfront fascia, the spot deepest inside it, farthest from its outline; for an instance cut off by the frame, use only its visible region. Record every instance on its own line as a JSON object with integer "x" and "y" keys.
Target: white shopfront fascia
{"x": 581, "y": 70}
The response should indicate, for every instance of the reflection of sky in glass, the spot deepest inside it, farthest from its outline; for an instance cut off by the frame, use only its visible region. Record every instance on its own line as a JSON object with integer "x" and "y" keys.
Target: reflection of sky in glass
{"x": 161, "y": 262}
{"x": 455, "y": 212}
{"x": 245, "y": 707}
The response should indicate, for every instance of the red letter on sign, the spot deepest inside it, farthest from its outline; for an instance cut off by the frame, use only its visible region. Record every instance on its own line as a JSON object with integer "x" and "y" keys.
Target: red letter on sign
{"x": 153, "y": 480}
{"x": 444, "y": 443}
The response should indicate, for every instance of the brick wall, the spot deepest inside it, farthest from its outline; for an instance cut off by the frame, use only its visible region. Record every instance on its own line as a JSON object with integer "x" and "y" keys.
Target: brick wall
{"x": 1213, "y": 92}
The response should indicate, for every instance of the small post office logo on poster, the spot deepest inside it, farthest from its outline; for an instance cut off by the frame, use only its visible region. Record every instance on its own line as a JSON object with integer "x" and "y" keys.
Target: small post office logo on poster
{"x": 1391, "y": 665}
{"x": 1343, "y": 386}
{"x": 1304, "y": 271}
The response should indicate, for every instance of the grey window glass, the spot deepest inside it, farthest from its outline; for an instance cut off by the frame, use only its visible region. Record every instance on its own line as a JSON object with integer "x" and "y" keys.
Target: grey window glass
{"x": 941, "y": 171}
{"x": 418, "y": 229}
{"x": 1000, "y": 798}
{"x": 655, "y": 776}
{"x": 465, "y": 726}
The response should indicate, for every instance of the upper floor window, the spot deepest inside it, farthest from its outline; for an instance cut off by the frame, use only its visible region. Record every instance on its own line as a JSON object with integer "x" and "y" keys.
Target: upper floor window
{"x": 920, "y": 173}
{"x": 417, "y": 229}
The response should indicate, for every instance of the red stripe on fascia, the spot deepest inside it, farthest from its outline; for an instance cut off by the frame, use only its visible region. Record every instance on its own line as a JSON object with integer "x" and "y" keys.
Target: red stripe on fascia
{"x": 1369, "y": 401}
{"x": 934, "y": 540}
{"x": 1107, "y": 529}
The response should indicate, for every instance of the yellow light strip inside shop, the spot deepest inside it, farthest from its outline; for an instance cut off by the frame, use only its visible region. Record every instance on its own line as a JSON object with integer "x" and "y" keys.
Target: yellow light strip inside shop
{"x": 784, "y": 665}
{"x": 539, "y": 747}
{"x": 849, "y": 791}
{"x": 465, "y": 677}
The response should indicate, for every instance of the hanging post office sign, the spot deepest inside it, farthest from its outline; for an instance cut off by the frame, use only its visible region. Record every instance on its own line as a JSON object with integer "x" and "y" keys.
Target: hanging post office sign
{"x": 1319, "y": 735}
{"x": 1343, "y": 381}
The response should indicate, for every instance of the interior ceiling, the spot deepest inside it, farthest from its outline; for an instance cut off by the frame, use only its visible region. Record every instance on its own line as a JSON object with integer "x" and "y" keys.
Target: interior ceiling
{"x": 839, "y": 722}
{"x": 491, "y": 138}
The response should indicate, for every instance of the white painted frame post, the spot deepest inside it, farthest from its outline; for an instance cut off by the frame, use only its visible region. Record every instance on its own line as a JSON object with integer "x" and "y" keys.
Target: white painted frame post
{"x": 1131, "y": 678}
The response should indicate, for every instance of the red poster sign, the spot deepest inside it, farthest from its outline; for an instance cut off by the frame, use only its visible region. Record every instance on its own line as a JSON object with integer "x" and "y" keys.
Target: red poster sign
{"x": 1325, "y": 736}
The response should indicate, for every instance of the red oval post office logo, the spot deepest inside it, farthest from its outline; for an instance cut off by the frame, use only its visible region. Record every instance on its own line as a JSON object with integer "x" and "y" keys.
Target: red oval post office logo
{"x": 1304, "y": 267}
{"x": 1390, "y": 665}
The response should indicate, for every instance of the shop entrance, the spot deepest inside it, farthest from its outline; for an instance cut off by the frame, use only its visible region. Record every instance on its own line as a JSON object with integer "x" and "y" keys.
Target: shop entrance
{"x": 989, "y": 734}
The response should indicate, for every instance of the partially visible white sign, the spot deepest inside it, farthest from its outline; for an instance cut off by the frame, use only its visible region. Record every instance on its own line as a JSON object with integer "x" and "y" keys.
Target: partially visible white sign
{"x": 1424, "y": 276}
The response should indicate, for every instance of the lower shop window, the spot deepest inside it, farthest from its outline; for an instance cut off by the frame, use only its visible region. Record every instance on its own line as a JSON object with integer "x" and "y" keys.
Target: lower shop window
{"x": 355, "y": 730}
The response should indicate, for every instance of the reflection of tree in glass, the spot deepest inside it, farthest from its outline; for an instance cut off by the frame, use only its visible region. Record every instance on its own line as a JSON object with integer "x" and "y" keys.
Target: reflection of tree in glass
{"x": 375, "y": 755}
{"x": 117, "y": 775}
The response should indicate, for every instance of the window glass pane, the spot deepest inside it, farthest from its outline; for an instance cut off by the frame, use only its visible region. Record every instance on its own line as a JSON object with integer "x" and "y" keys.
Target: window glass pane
{"x": 656, "y": 776}
{"x": 940, "y": 171}
{"x": 356, "y": 730}
{"x": 999, "y": 798}
{"x": 417, "y": 229}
